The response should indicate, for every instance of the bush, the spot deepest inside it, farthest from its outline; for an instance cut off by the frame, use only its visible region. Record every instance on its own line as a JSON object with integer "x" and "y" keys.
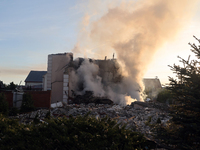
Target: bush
{"x": 3, "y": 104}
{"x": 27, "y": 103}
{"x": 74, "y": 133}
{"x": 165, "y": 96}
{"x": 13, "y": 111}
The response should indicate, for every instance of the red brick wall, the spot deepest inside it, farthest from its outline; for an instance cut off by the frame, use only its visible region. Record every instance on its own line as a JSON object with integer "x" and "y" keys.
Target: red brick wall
{"x": 41, "y": 99}
{"x": 9, "y": 97}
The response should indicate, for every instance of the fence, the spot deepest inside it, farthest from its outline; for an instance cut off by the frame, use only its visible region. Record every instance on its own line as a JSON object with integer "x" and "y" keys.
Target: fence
{"x": 9, "y": 97}
{"x": 41, "y": 99}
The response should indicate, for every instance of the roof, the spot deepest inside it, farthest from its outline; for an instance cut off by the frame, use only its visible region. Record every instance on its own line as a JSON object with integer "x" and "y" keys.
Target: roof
{"x": 35, "y": 76}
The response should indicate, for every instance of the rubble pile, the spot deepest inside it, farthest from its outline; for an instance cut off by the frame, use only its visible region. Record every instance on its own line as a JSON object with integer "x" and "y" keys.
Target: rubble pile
{"x": 88, "y": 97}
{"x": 138, "y": 116}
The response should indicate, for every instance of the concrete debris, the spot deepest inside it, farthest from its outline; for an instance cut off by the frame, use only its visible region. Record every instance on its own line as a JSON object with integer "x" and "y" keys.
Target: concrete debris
{"x": 58, "y": 104}
{"x": 138, "y": 116}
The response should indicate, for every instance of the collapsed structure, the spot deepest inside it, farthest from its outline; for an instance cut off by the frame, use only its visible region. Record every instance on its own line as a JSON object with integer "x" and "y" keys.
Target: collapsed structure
{"x": 83, "y": 80}
{"x": 67, "y": 77}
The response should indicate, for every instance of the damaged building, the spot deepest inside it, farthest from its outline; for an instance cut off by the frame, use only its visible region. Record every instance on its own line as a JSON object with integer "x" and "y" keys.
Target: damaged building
{"x": 68, "y": 78}
{"x": 63, "y": 71}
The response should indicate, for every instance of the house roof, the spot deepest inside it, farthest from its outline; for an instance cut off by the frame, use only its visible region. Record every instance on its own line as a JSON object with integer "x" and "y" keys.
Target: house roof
{"x": 35, "y": 76}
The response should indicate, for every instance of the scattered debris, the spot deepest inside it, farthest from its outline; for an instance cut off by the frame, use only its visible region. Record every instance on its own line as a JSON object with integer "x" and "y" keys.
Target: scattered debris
{"x": 138, "y": 116}
{"x": 58, "y": 104}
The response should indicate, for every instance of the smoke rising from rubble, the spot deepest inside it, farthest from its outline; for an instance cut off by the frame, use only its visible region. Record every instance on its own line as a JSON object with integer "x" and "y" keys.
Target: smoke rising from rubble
{"x": 91, "y": 81}
{"x": 134, "y": 31}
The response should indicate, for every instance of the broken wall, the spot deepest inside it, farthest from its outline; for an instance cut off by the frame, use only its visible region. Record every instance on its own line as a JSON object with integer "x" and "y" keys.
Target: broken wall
{"x": 56, "y": 67}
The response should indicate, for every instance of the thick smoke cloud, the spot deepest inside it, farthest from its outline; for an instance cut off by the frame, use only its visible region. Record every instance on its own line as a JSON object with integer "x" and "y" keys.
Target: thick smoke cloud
{"x": 134, "y": 31}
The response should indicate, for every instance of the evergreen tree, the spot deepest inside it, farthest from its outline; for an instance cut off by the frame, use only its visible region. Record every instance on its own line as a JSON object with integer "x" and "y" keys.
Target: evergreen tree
{"x": 11, "y": 86}
{"x": 183, "y": 131}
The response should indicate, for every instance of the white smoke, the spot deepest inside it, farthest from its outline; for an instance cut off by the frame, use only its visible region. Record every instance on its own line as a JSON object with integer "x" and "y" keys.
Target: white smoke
{"x": 88, "y": 72}
{"x": 135, "y": 31}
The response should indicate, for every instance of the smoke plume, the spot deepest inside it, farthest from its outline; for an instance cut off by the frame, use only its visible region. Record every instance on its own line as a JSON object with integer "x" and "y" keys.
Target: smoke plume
{"x": 134, "y": 31}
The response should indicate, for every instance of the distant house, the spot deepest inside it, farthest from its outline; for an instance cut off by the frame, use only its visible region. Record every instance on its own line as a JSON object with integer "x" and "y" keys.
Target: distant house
{"x": 152, "y": 84}
{"x": 34, "y": 80}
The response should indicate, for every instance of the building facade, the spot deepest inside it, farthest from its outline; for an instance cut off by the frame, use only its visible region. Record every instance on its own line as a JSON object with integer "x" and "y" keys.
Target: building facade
{"x": 55, "y": 80}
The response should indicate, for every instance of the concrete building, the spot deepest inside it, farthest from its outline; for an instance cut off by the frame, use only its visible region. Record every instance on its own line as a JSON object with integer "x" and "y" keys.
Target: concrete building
{"x": 58, "y": 79}
{"x": 55, "y": 80}
{"x": 58, "y": 74}
{"x": 152, "y": 84}
{"x": 152, "y": 87}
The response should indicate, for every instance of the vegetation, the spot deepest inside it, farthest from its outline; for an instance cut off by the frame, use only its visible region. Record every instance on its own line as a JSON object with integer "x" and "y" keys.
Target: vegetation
{"x": 183, "y": 131}
{"x": 1, "y": 85}
{"x": 13, "y": 111}
{"x": 10, "y": 86}
{"x": 27, "y": 103}
{"x": 70, "y": 133}
{"x": 165, "y": 96}
{"x": 3, "y": 104}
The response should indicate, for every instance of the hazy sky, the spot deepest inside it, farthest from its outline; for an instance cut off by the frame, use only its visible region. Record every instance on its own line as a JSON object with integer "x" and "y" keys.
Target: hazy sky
{"x": 30, "y": 30}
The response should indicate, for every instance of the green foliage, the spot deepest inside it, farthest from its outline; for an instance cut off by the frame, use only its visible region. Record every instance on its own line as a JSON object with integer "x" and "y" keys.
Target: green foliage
{"x": 48, "y": 115}
{"x": 1, "y": 85}
{"x": 27, "y": 103}
{"x": 183, "y": 132}
{"x": 3, "y": 104}
{"x": 11, "y": 86}
{"x": 13, "y": 111}
{"x": 70, "y": 133}
{"x": 165, "y": 96}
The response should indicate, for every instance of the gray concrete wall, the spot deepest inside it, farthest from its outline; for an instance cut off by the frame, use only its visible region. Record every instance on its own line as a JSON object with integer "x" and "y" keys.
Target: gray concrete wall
{"x": 65, "y": 88}
{"x": 55, "y": 71}
{"x": 17, "y": 99}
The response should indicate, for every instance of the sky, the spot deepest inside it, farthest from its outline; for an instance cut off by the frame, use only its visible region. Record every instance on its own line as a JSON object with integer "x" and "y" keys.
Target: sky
{"x": 31, "y": 30}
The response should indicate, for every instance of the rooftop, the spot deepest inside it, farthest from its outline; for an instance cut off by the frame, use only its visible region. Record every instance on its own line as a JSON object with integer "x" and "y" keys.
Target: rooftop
{"x": 35, "y": 76}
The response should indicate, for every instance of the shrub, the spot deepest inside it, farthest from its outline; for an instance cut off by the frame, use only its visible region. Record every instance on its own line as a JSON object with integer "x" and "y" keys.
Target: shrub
{"x": 74, "y": 133}
{"x": 27, "y": 103}
{"x": 3, "y": 104}
{"x": 13, "y": 111}
{"x": 165, "y": 96}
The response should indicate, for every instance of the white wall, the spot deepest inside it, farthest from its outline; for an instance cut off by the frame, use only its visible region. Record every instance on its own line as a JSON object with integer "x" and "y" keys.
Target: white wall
{"x": 32, "y": 83}
{"x": 65, "y": 87}
{"x": 49, "y": 71}
{"x": 44, "y": 82}
{"x": 17, "y": 99}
